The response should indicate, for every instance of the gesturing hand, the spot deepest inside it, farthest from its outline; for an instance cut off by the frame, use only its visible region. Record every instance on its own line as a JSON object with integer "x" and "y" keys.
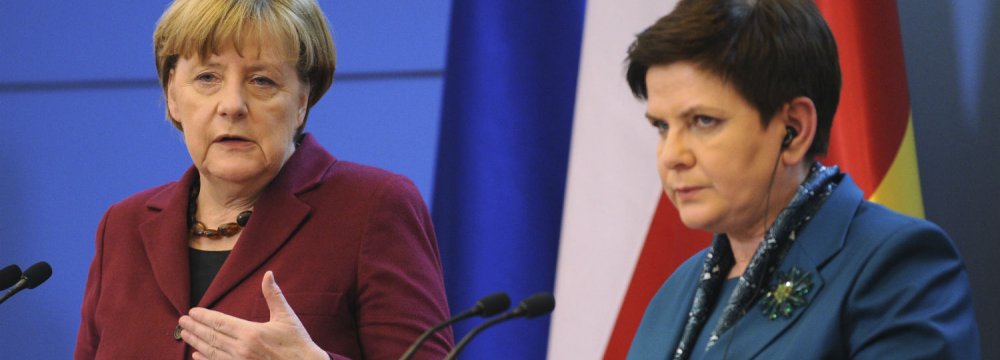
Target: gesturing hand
{"x": 215, "y": 335}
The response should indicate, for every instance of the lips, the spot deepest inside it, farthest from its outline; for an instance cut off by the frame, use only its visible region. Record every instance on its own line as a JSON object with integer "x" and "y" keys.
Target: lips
{"x": 685, "y": 193}
{"x": 234, "y": 142}
{"x": 229, "y": 138}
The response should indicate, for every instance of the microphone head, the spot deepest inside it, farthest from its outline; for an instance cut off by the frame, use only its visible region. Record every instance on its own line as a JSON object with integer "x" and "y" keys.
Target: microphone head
{"x": 493, "y": 304}
{"x": 37, "y": 274}
{"x": 539, "y": 304}
{"x": 9, "y": 276}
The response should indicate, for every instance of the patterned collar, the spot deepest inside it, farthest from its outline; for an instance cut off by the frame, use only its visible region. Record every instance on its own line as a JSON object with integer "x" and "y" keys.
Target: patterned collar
{"x": 811, "y": 195}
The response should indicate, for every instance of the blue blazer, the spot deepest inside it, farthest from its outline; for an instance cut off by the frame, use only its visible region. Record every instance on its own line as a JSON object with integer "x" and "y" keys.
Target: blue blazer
{"x": 885, "y": 286}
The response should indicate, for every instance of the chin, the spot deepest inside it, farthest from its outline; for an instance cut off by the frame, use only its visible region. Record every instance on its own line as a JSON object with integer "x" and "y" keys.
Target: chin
{"x": 698, "y": 221}
{"x": 236, "y": 173}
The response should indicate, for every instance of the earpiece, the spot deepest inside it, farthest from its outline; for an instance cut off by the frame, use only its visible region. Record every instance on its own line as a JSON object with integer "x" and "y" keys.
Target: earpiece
{"x": 790, "y": 134}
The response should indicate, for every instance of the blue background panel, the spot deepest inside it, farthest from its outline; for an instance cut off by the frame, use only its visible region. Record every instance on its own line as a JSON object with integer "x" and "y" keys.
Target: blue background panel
{"x": 389, "y": 35}
{"x": 387, "y": 123}
{"x": 67, "y": 155}
{"x": 47, "y": 41}
{"x": 73, "y": 41}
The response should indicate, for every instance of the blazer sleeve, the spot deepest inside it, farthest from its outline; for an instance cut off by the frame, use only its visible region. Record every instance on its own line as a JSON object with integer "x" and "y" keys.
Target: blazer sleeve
{"x": 912, "y": 300}
{"x": 88, "y": 337}
{"x": 401, "y": 286}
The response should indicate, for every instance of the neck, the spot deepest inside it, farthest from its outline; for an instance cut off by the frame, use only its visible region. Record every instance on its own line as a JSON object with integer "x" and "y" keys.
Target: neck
{"x": 221, "y": 202}
{"x": 745, "y": 243}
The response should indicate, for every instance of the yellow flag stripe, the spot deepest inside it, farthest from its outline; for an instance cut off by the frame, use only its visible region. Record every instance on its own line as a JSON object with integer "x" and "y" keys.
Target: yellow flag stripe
{"x": 900, "y": 189}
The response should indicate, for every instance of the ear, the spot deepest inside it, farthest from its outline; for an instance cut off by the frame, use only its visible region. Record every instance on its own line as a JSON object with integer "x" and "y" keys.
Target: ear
{"x": 303, "y": 105}
{"x": 799, "y": 114}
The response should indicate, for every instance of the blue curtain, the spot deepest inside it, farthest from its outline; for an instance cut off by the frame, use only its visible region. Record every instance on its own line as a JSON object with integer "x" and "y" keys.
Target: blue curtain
{"x": 507, "y": 115}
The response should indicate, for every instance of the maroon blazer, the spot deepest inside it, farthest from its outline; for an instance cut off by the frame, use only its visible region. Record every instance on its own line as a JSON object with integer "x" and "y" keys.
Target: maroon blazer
{"x": 351, "y": 246}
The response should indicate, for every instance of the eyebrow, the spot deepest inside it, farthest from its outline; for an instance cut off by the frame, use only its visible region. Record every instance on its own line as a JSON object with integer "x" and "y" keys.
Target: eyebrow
{"x": 690, "y": 112}
{"x": 252, "y": 68}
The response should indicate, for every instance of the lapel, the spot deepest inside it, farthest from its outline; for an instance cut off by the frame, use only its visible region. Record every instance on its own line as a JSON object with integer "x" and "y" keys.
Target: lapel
{"x": 278, "y": 214}
{"x": 164, "y": 237}
{"x": 819, "y": 241}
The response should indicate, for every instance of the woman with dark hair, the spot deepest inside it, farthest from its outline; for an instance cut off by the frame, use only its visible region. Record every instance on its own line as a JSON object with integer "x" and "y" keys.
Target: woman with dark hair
{"x": 743, "y": 94}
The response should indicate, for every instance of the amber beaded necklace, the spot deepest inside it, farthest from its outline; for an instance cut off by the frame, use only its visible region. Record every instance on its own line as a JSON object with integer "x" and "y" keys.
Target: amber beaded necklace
{"x": 224, "y": 230}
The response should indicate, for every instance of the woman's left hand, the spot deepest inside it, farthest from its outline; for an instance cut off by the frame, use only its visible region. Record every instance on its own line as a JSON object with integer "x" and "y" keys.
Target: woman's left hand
{"x": 215, "y": 335}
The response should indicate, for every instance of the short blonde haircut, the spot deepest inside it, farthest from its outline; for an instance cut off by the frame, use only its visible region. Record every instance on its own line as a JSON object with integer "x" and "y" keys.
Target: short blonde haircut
{"x": 200, "y": 27}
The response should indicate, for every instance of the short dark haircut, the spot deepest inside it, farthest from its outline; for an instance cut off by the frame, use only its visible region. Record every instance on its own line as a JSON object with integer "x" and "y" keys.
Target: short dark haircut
{"x": 771, "y": 51}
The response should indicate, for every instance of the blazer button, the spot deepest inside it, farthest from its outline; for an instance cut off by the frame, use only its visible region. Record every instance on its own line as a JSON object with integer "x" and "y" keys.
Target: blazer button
{"x": 177, "y": 333}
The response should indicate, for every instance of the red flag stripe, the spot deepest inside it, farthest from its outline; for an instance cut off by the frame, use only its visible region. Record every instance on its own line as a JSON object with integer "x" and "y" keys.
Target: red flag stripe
{"x": 874, "y": 104}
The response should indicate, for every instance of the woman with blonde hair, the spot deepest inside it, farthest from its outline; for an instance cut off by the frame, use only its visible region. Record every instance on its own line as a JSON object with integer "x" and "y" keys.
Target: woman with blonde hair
{"x": 191, "y": 268}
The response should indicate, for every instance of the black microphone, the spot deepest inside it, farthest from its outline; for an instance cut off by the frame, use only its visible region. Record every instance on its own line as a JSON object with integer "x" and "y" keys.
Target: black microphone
{"x": 9, "y": 276}
{"x": 487, "y": 306}
{"x": 534, "y": 305}
{"x": 31, "y": 278}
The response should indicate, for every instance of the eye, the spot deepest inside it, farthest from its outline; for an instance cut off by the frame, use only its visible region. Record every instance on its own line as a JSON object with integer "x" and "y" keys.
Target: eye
{"x": 661, "y": 126}
{"x": 701, "y": 121}
{"x": 206, "y": 77}
{"x": 262, "y": 81}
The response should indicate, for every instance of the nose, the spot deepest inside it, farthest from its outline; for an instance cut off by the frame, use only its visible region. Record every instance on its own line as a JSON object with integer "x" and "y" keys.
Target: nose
{"x": 232, "y": 101}
{"x": 674, "y": 152}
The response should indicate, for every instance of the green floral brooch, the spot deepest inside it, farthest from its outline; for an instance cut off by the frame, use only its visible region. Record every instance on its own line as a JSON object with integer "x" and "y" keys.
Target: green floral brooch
{"x": 788, "y": 294}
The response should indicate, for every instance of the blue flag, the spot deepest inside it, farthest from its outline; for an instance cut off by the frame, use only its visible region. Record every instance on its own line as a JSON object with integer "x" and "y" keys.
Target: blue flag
{"x": 507, "y": 117}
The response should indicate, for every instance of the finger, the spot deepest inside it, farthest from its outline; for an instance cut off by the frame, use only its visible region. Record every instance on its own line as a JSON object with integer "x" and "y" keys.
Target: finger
{"x": 203, "y": 349}
{"x": 199, "y": 356}
{"x": 276, "y": 303}
{"x": 217, "y": 321}
{"x": 203, "y": 337}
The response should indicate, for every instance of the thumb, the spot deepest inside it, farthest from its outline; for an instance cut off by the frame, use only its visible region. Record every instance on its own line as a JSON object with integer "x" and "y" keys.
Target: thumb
{"x": 276, "y": 303}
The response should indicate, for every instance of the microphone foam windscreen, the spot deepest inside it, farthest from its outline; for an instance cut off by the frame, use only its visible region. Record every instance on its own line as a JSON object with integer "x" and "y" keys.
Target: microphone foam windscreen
{"x": 493, "y": 304}
{"x": 9, "y": 276}
{"x": 37, "y": 274}
{"x": 538, "y": 304}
